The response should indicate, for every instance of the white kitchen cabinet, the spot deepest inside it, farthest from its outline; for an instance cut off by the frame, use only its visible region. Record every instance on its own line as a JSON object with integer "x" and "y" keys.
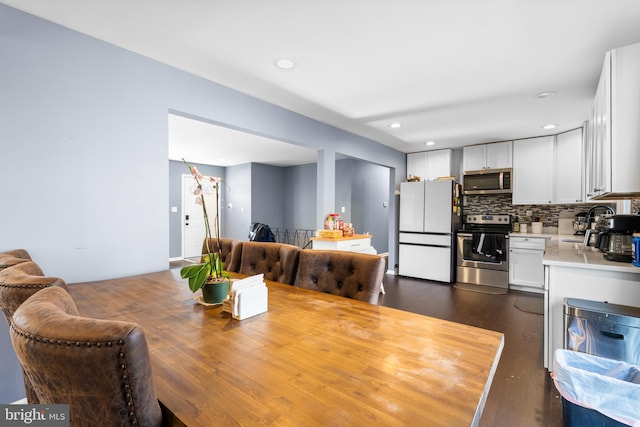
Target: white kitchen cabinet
{"x": 497, "y": 155}
{"x": 500, "y": 155}
{"x": 568, "y": 167}
{"x": 598, "y": 149}
{"x": 429, "y": 165}
{"x": 360, "y": 243}
{"x": 417, "y": 164}
{"x": 526, "y": 272}
{"x": 533, "y": 169}
{"x": 613, "y": 151}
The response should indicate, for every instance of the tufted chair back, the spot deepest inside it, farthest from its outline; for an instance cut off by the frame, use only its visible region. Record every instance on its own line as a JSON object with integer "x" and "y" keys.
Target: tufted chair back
{"x": 101, "y": 368}
{"x": 10, "y": 258}
{"x": 17, "y": 284}
{"x": 231, "y": 252}
{"x": 277, "y": 261}
{"x": 347, "y": 274}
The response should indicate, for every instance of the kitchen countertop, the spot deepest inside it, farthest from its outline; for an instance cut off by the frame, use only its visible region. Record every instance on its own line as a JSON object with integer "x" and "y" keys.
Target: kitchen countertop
{"x": 570, "y": 251}
{"x": 541, "y": 235}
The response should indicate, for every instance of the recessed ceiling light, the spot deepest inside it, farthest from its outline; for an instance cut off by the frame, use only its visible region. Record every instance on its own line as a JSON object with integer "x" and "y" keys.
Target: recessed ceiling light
{"x": 284, "y": 64}
{"x": 546, "y": 94}
{"x": 395, "y": 125}
{"x": 430, "y": 143}
{"x": 550, "y": 126}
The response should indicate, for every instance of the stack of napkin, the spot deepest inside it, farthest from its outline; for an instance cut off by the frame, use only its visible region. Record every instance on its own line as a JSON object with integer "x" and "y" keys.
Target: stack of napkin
{"x": 247, "y": 297}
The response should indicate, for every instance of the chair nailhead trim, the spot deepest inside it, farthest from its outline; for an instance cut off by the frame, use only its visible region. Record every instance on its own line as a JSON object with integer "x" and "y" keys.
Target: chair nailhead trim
{"x": 32, "y": 285}
{"x": 121, "y": 355}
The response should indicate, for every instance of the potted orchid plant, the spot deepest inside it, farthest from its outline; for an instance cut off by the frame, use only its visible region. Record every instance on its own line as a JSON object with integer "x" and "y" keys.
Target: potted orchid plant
{"x": 208, "y": 275}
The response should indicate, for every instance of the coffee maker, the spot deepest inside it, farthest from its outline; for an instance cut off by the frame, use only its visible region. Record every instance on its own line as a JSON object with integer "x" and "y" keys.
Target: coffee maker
{"x": 615, "y": 236}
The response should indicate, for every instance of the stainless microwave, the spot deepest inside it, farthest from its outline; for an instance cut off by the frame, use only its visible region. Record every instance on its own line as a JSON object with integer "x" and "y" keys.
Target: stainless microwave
{"x": 490, "y": 181}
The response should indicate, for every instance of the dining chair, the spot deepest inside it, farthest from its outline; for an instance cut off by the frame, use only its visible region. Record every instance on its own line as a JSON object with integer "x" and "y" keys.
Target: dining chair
{"x": 277, "y": 261}
{"x": 100, "y": 368}
{"x": 13, "y": 257}
{"x": 17, "y": 284}
{"x": 348, "y": 274}
{"x": 231, "y": 251}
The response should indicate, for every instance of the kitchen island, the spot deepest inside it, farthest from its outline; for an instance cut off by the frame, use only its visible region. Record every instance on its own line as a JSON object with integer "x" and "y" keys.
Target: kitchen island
{"x": 573, "y": 270}
{"x": 360, "y": 243}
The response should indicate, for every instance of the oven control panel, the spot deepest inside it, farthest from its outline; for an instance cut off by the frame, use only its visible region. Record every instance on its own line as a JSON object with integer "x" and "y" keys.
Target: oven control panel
{"x": 501, "y": 219}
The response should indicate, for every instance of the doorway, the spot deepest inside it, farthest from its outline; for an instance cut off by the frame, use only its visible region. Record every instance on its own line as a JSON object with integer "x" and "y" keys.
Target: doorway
{"x": 193, "y": 227}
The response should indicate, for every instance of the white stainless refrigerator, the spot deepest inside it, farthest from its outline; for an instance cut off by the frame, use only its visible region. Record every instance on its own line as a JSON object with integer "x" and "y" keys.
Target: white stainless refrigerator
{"x": 429, "y": 219}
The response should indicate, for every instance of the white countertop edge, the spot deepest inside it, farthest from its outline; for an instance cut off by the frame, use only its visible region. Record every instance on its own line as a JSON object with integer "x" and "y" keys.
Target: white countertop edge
{"x": 541, "y": 235}
{"x": 566, "y": 254}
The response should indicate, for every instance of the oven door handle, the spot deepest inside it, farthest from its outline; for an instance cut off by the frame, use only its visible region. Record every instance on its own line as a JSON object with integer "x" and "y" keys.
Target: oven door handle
{"x": 487, "y": 262}
{"x": 465, "y": 234}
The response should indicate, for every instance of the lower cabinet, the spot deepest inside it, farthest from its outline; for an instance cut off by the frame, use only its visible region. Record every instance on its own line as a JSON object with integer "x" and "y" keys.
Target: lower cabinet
{"x": 526, "y": 272}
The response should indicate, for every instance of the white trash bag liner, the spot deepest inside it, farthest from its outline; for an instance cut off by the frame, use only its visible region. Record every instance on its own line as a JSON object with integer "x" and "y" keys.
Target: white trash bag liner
{"x": 611, "y": 387}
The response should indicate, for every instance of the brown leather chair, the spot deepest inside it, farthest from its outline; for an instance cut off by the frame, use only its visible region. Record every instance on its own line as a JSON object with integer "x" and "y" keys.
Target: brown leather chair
{"x": 348, "y": 274}
{"x": 231, "y": 251}
{"x": 16, "y": 256}
{"x": 17, "y": 284}
{"x": 277, "y": 261}
{"x": 101, "y": 368}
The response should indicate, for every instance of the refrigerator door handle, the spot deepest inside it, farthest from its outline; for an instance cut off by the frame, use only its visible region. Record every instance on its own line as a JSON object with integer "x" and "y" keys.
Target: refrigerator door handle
{"x": 426, "y": 245}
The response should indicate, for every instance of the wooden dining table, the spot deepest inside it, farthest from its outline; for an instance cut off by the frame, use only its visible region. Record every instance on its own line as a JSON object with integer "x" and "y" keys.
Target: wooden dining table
{"x": 312, "y": 359}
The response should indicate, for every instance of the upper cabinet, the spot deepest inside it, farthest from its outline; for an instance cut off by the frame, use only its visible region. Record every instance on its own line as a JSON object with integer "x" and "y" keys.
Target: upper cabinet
{"x": 533, "y": 171}
{"x": 548, "y": 169}
{"x": 613, "y": 130}
{"x": 487, "y": 156}
{"x": 429, "y": 165}
{"x": 569, "y": 186}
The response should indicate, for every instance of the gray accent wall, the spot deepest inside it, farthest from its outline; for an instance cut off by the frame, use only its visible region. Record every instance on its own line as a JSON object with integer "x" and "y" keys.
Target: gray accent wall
{"x": 237, "y": 218}
{"x": 85, "y": 146}
{"x": 91, "y": 119}
{"x": 267, "y": 195}
{"x": 300, "y": 196}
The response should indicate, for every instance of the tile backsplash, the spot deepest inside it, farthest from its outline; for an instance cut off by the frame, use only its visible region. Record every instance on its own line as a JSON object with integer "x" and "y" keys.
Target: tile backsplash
{"x": 501, "y": 204}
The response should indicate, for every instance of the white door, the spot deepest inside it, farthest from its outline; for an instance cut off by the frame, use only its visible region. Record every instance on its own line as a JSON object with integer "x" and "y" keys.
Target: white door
{"x": 193, "y": 229}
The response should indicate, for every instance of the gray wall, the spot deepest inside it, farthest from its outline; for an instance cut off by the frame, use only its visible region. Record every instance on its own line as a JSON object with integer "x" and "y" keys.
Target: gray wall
{"x": 300, "y": 196}
{"x": 84, "y": 148}
{"x": 369, "y": 194}
{"x": 284, "y": 197}
{"x": 344, "y": 183}
{"x": 91, "y": 118}
{"x": 237, "y": 219}
{"x": 267, "y": 195}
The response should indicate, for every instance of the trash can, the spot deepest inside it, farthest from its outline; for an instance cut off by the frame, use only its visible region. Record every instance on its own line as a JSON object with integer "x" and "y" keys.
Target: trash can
{"x": 596, "y": 391}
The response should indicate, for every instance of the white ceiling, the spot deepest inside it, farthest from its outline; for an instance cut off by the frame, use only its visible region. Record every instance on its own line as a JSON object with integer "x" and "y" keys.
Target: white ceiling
{"x": 457, "y": 72}
{"x": 209, "y": 144}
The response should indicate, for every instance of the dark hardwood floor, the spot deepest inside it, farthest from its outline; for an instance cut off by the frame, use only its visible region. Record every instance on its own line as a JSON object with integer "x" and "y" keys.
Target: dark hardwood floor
{"x": 522, "y": 393}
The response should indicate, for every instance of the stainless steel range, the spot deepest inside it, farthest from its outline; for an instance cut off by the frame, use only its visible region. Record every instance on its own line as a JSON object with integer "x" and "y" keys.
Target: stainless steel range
{"x": 483, "y": 250}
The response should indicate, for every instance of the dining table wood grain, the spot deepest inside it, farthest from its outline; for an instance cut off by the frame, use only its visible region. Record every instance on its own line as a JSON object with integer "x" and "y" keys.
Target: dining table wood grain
{"x": 312, "y": 359}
